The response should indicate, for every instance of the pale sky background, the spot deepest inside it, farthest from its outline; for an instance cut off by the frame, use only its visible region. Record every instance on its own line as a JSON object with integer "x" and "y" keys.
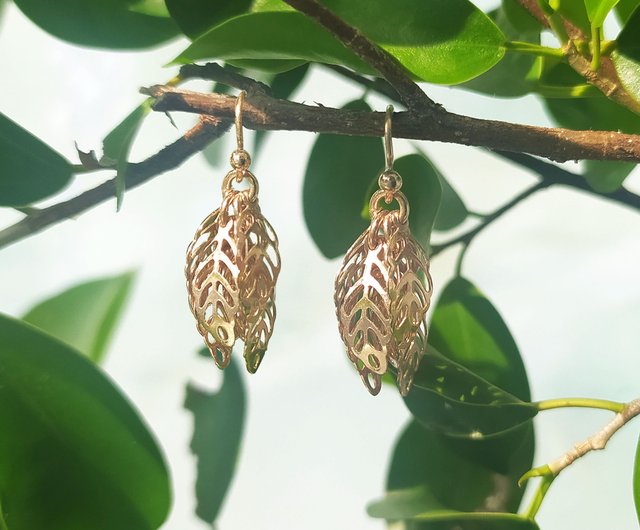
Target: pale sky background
{"x": 562, "y": 268}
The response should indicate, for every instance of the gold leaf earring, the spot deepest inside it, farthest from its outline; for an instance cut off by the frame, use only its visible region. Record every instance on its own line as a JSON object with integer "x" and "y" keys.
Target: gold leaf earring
{"x": 232, "y": 267}
{"x": 383, "y": 289}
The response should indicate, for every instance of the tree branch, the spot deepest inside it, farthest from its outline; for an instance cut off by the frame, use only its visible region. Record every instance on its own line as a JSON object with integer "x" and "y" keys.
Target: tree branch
{"x": 388, "y": 66}
{"x": 262, "y": 112}
{"x": 193, "y": 141}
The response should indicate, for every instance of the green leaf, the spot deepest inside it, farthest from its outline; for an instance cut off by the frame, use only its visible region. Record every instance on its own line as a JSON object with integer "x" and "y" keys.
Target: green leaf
{"x": 217, "y": 432}
{"x": 440, "y": 41}
{"x": 450, "y": 399}
{"x": 398, "y": 503}
{"x": 283, "y": 85}
{"x": 424, "y": 465}
{"x": 597, "y": 10}
{"x": 78, "y": 454}
{"x": 508, "y": 78}
{"x": 154, "y": 8}
{"x": 626, "y": 57}
{"x": 421, "y": 185}
{"x": 84, "y": 316}
{"x": 194, "y": 17}
{"x": 602, "y": 114}
{"x": 636, "y": 481}
{"x": 100, "y": 23}
{"x": 625, "y": 8}
{"x": 452, "y": 211}
{"x": 338, "y": 176}
{"x": 467, "y": 328}
{"x": 575, "y": 11}
{"x": 31, "y": 170}
{"x": 469, "y": 333}
{"x": 117, "y": 144}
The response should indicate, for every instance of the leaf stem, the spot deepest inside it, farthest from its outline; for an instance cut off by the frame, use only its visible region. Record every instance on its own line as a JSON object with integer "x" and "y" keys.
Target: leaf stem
{"x": 531, "y": 48}
{"x": 603, "y": 404}
{"x": 596, "y": 35}
{"x": 538, "y": 497}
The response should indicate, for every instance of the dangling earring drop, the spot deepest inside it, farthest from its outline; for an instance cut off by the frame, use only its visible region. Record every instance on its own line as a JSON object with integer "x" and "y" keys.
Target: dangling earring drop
{"x": 232, "y": 267}
{"x": 383, "y": 289}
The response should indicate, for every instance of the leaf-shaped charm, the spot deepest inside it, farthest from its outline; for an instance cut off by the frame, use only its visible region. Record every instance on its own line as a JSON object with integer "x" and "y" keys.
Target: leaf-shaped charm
{"x": 381, "y": 300}
{"x": 232, "y": 267}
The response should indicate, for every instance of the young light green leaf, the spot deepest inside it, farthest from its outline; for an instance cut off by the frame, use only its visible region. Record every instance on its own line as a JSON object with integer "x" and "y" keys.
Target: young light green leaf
{"x": 427, "y": 37}
{"x": 636, "y": 481}
{"x": 574, "y": 10}
{"x": 29, "y": 169}
{"x": 597, "y": 10}
{"x": 100, "y": 23}
{"x": 78, "y": 454}
{"x": 84, "y": 316}
{"x": 338, "y": 175}
{"x": 154, "y": 8}
{"x": 217, "y": 433}
{"x": 117, "y": 144}
{"x": 195, "y": 17}
{"x": 626, "y": 57}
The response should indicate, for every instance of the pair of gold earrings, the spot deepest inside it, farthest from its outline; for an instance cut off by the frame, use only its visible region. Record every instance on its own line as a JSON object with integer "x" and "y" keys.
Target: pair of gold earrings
{"x": 382, "y": 291}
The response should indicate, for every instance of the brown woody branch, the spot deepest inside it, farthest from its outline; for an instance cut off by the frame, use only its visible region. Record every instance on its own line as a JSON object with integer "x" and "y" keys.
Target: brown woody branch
{"x": 263, "y": 112}
{"x": 196, "y": 139}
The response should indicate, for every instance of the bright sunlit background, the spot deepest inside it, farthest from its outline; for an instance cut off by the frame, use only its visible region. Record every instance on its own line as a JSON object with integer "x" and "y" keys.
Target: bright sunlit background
{"x": 562, "y": 268}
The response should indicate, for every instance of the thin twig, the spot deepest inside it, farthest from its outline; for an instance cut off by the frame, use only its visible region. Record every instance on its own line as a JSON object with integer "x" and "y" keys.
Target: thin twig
{"x": 596, "y": 442}
{"x": 467, "y": 237}
{"x": 196, "y": 139}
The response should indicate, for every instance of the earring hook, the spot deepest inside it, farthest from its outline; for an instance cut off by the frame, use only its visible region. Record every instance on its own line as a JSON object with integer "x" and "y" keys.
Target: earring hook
{"x": 240, "y": 159}
{"x": 388, "y": 139}
{"x": 239, "y": 137}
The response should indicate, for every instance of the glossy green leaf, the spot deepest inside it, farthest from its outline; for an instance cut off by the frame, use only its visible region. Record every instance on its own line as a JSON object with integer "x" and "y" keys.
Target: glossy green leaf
{"x": 217, "y": 433}
{"x": 117, "y": 144}
{"x": 508, "y": 78}
{"x": 427, "y": 463}
{"x": 440, "y": 41}
{"x": 603, "y": 114}
{"x": 398, "y": 503}
{"x": 625, "y": 8}
{"x": 84, "y": 316}
{"x": 597, "y": 10}
{"x": 574, "y": 10}
{"x": 626, "y": 57}
{"x": 421, "y": 186}
{"x": 338, "y": 175}
{"x": 195, "y": 17}
{"x": 450, "y": 399}
{"x": 101, "y": 23}
{"x": 636, "y": 481}
{"x": 74, "y": 453}
{"x": 282, "y": 85}
{"x": 467, "y": 328}
{"x": 154, "y": 8}
{"x": 29, "y": 169}
{"x": 452, "y": 211}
